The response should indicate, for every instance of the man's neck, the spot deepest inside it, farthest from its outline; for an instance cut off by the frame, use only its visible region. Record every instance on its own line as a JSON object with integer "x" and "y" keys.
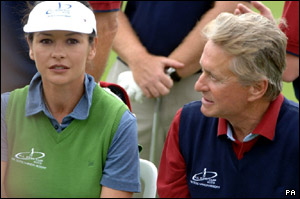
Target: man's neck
{"x": 245, "y": 123}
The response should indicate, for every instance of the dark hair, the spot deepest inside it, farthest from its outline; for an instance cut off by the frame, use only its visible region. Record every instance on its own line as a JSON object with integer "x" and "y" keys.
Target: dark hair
{"x": 30, "y": 7}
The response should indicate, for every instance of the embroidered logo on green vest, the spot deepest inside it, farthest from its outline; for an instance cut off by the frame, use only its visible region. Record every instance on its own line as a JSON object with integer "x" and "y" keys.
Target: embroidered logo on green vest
{"x": 31, "y": 158}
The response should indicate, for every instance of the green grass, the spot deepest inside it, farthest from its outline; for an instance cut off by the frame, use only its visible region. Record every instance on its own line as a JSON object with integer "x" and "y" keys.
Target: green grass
{"x": 276, "y": 7}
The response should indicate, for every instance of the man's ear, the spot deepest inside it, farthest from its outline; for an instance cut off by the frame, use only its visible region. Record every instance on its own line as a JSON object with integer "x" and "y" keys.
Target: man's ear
{"x": 258, "y": 90}
{"x": 31, "y": 55}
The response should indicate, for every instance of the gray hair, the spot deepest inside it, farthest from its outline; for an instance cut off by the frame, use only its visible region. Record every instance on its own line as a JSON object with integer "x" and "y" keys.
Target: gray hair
{"x": 258, "y": 47}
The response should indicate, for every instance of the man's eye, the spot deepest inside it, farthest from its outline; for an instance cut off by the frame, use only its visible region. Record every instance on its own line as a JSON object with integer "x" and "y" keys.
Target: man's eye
{"x": 46, "y": 41}
{"x": 213, "y": 78}
{"x": 72, "y": 41}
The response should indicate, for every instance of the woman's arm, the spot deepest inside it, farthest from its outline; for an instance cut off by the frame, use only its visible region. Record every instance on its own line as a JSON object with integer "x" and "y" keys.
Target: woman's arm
{"x": 112, "y": 193}
{"x": 4, "y": 101}
{"x": 121, "y": 172}
{"x": 3, "y": 170}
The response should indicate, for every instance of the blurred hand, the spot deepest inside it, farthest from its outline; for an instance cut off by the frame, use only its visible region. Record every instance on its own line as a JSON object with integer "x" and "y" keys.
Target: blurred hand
{"x": 264, "y": 10}
{"x": 149, "y": 74}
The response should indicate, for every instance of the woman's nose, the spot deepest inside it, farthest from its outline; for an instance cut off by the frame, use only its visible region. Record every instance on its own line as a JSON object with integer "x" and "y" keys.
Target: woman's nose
{"x": 58, "y": 51}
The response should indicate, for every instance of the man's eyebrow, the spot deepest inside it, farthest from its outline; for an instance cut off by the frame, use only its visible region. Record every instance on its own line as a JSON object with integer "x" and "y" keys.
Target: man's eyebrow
{"x": 206, "y": 71}
{"x": 209, "y": 72}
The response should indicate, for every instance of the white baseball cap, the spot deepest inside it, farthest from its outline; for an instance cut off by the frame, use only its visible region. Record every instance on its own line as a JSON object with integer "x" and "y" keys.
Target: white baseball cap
{"x": 61, "y": 15}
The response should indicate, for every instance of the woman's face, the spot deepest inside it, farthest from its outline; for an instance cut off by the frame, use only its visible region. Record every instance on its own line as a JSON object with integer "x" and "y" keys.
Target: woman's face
{"x": 61, "y": 56}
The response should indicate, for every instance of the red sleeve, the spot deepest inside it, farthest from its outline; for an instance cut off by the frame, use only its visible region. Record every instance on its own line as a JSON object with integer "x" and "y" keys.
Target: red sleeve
{"x": 171, "y": 181}
{"x": 105, "y": 6}
{"x": 291, "y": 15}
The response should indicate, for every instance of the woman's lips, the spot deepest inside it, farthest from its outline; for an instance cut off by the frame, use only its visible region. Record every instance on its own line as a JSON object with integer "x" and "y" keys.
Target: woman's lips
{"x": 59, "y": 68}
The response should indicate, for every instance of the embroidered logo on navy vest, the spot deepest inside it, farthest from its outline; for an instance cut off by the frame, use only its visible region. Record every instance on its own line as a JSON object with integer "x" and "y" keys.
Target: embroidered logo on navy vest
{"x": 206, "y": 179}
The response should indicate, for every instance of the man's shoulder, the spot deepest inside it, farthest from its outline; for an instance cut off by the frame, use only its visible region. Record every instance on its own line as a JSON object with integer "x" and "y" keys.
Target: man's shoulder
{"x": 191, "y": 113}
{"x": 290, "y": 107}
{"x": 192, "y": 109}
{"x": 192, "y": 105}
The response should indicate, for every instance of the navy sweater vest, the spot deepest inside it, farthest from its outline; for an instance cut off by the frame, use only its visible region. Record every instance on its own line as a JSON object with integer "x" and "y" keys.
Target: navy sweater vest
{"x": 213, "y": 170}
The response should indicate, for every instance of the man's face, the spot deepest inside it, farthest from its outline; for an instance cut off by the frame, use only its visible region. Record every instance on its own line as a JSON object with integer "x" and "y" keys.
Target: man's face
{"x": 222, "y": 94}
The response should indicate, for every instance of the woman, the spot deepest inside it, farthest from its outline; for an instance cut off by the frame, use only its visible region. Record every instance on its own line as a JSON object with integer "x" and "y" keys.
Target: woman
{"x": 63, "y": 135}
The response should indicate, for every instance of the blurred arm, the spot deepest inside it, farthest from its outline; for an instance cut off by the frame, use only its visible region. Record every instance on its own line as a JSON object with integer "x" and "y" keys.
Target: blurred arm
{"x": 190, "y": 50}
{"x": 264, "y": 10}
{"x": 107, "y": 27}
{"x": 292, "y": 68}
{"x": 147, "y": 69}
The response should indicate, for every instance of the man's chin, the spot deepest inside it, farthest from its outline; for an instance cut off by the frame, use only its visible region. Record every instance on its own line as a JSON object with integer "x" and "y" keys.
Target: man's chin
{"x": 207, "y": 113}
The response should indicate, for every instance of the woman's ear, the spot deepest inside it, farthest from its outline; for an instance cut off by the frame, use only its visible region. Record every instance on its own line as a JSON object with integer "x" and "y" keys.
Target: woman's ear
{"x": 258, "y": 90}
{"x": 93, "y": 47}
{"x": 31, "y": 55}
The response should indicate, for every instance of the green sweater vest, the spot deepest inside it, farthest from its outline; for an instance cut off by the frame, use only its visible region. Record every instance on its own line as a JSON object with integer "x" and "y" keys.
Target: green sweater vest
{"x": 44, "y": 163}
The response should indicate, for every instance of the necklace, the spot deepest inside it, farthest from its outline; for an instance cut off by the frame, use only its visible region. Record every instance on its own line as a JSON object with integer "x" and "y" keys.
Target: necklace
{"x": 47, "y": 105}
{"x": 48, "y": 108}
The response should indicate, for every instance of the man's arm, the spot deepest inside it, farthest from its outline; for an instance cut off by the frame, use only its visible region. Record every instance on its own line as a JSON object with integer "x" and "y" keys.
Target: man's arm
{"x": 172, "y": 181}
{"x": 190, "y": 50}
{"x": 147, "y": 69}
{"x": 107, "y": 27}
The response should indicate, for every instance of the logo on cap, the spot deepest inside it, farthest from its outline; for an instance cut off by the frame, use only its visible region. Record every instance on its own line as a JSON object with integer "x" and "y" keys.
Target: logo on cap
{"x": 63, "y": 10}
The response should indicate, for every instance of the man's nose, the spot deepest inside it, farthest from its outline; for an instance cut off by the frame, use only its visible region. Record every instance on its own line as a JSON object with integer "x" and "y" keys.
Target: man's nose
{"x": 200, "y": 84}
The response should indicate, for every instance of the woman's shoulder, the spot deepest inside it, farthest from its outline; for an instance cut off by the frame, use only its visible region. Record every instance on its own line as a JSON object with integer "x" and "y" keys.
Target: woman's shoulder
{"x": 4, "y": 102}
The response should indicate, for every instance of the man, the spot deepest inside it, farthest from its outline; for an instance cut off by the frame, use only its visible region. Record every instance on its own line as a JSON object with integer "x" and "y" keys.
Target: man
{"x": 242, "y": 139}
{"x": 152, "y": 36}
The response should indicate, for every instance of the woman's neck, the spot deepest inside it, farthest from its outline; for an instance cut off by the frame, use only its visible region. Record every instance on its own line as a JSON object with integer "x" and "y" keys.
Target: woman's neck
{"x": 61, "y": 100}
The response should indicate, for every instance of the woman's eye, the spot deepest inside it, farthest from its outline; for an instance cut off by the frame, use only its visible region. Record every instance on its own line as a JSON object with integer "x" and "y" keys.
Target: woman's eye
{"x": 72, "y": 41}
{"x": 46, "y": 41}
